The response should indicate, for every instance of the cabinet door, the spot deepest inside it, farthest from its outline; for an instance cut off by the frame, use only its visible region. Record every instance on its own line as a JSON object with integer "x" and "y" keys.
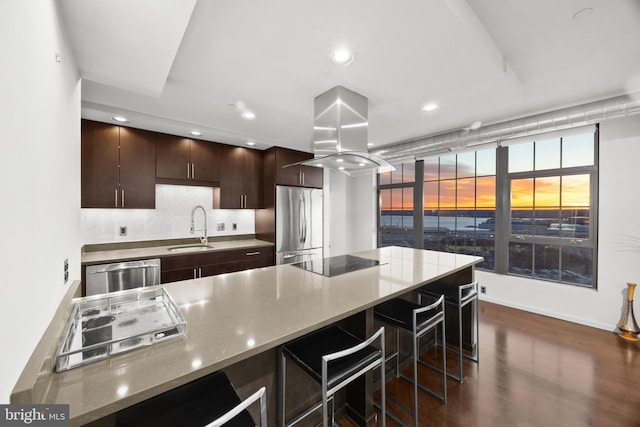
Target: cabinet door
{"x": 298, "y": 176}
{"x": 172, "y": 157}
{"x": 205, "y": 160}
{"x": 137, "y": 169}
{"x": 231, "y": 177}
{"x": 252, "y": 178}
{"x": 289, "y": 175}
{"x": 312, "y": 176}
{"x": 99, "y": 165}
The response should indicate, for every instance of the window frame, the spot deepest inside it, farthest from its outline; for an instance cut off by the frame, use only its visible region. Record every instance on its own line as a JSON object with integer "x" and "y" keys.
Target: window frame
{"x": 417, "y": 219}
{"x": 503, "y": 236}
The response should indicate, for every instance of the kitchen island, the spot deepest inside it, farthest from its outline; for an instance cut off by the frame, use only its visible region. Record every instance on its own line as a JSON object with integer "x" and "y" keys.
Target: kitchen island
{"x": 236, "y": 319}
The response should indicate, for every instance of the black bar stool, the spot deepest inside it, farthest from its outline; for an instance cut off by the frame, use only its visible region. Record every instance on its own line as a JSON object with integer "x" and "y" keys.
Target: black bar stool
{"x": 333, "y": 358}
{"x": 459, "y": 297}
{"x": 418, "y": 320}
{"x": 208, "y": 401}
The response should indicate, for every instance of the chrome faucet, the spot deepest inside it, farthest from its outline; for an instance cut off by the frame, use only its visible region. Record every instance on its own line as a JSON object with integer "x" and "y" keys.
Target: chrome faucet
{"x": 204, "y": 239}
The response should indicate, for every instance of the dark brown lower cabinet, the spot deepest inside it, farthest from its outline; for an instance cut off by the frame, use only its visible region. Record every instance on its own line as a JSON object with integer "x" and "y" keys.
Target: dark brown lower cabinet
{"x": 193, "y": 266}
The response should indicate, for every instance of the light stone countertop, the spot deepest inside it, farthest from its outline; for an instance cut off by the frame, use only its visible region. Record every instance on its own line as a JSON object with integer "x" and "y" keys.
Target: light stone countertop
{"x": 111, "y": 255}
{"x": 232, "y": 317}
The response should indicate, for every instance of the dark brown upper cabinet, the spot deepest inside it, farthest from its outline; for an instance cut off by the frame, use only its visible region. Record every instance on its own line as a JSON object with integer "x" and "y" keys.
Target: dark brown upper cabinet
{"x": 186, "y": 161}
{"x": 117, "y": 167}
{"x": 297, "y": 176}
{"x": 240, "y": 178}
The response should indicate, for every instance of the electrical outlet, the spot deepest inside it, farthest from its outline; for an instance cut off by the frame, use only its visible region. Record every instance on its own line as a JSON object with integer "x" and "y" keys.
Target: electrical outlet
{"x": 483, "y": 289}
{"x": 66, "y": 270}
{"x": 234, "y": 226}
{"x": 221, "y": 226}
{"x": 123, "y": 231}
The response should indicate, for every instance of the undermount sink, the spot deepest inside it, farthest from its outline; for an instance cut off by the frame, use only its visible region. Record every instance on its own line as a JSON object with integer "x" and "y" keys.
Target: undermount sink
{"x": 190, "y": 248}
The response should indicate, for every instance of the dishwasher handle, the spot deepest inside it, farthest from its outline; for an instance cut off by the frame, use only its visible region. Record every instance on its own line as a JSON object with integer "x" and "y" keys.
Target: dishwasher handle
{"x": 117, "y": 267}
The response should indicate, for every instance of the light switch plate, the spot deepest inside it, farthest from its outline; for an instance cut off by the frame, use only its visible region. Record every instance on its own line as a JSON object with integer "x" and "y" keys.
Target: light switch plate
{"x": 123, "y": 231}
{"x": 234, "y": 226}
{"x": 221, "y": 226}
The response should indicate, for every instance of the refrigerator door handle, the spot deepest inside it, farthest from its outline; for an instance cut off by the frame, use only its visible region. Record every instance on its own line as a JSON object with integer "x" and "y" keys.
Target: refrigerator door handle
{"x": 300, "y": 221}
{"x": 296, "y": 254}
{"x": 304, "y": 220}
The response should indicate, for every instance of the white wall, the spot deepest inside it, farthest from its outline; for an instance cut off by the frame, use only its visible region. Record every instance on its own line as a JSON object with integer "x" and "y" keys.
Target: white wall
{"x": 39, "y": 177}
{"x": 619, "y": 242}
{"x": 171, "y": 219}
{"x": 350, "y": 213}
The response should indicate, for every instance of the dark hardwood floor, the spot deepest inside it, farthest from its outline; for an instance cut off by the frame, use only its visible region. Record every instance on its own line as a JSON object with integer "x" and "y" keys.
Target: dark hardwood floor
{"x": 533, "y": 371}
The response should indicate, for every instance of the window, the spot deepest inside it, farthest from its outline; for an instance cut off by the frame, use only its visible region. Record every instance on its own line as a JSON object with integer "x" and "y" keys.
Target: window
{"x": 395, "y": 222}
{"x": 460, "y": 204}
{"x": 552, "y": 185}
{"x": 529, "y": 208}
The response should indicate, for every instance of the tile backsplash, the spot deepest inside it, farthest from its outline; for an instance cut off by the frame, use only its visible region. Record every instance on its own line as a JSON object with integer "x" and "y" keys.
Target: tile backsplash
{"x": 171, "y": 219}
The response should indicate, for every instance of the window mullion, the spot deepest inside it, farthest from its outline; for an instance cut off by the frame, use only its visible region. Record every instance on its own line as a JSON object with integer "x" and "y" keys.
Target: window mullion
{"x": 503, "y": 207}
{"x": 418, "y": 205}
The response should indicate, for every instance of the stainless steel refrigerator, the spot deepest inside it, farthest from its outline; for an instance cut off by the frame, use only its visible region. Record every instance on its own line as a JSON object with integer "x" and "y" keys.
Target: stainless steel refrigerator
{"x": 298, "y": 224}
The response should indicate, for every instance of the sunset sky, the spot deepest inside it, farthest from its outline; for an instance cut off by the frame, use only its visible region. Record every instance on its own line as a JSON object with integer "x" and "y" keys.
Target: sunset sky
{"x": 443, "y": 191}
{"x": 547, "y": 194}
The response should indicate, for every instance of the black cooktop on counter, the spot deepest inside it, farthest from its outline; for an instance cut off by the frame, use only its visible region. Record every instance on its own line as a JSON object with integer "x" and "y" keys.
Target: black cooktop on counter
{"x": 337, "y": 265}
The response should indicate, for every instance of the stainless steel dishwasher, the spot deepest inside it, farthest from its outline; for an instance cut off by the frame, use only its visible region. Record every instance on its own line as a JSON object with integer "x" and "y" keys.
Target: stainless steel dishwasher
{"x": 104, "y": 278}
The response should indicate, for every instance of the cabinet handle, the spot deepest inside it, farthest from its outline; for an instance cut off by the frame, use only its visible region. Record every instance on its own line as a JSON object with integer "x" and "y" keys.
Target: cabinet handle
{"x": 122, "y": 198}
{"x": 241, "y": 200}
{"x": 194, "y": 274}
{"x": 116, "y": 197}
{"x": 188, "y": 171}
{"x": 245, "y": 201}
{"x": 252, "y": 253}
{"x": 193, "y": 171}
{"x": 199, "y": 271}
{"x": 302, "y": 178}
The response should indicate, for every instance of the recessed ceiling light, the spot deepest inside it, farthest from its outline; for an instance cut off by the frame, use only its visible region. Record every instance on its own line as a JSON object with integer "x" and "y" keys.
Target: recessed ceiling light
{"x": 248, "y": 115}
{"x": 195, "y": 133}
{"x": 360, "y": 164}
{"x": 120, "y": 119}
{"x": 339, "y": 160}
{"x": 341, "y": 168}
{"x": 431, "y": 107}
{"x": 341, "y": 56}
{"x": 370, "y": 144}
{"x": 251, "y": 143}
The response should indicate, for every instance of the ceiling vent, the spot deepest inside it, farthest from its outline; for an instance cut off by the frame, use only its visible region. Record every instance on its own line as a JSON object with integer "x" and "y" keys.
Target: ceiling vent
{"x": 566, "y": 118}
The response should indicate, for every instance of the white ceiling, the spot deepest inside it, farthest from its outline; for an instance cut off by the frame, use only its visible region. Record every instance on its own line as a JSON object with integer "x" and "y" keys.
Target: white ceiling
{"x": 178, "y": 65}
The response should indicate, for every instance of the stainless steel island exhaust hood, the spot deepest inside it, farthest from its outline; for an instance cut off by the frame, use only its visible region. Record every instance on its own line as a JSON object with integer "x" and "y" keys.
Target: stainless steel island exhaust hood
{"x": 340, "y": 134}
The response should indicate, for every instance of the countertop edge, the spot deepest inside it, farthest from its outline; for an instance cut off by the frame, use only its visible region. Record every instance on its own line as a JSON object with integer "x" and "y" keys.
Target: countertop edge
{"x": 119, "y": 255}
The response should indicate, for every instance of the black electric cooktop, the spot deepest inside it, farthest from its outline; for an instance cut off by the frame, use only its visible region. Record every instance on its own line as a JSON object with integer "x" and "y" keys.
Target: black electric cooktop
{"x": 337, "y": 265}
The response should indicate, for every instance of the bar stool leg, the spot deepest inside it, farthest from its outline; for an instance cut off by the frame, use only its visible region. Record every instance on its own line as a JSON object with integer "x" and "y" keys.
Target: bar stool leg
{"x": 461, "y": 355}
{"x": 416, "y": 342}
{"x": 444, "y": 359}
{"x": 281, "y": 389}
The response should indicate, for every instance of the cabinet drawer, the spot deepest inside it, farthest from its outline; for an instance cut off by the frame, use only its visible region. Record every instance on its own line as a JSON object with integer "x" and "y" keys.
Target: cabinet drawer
{"x": 190, "y": 261}
{"x": 246, "y": 254}
{"x": 181, "y": 267}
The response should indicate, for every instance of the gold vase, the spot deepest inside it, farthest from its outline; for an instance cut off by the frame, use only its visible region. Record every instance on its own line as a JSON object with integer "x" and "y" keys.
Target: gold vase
{"x": 627, "y": 324}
